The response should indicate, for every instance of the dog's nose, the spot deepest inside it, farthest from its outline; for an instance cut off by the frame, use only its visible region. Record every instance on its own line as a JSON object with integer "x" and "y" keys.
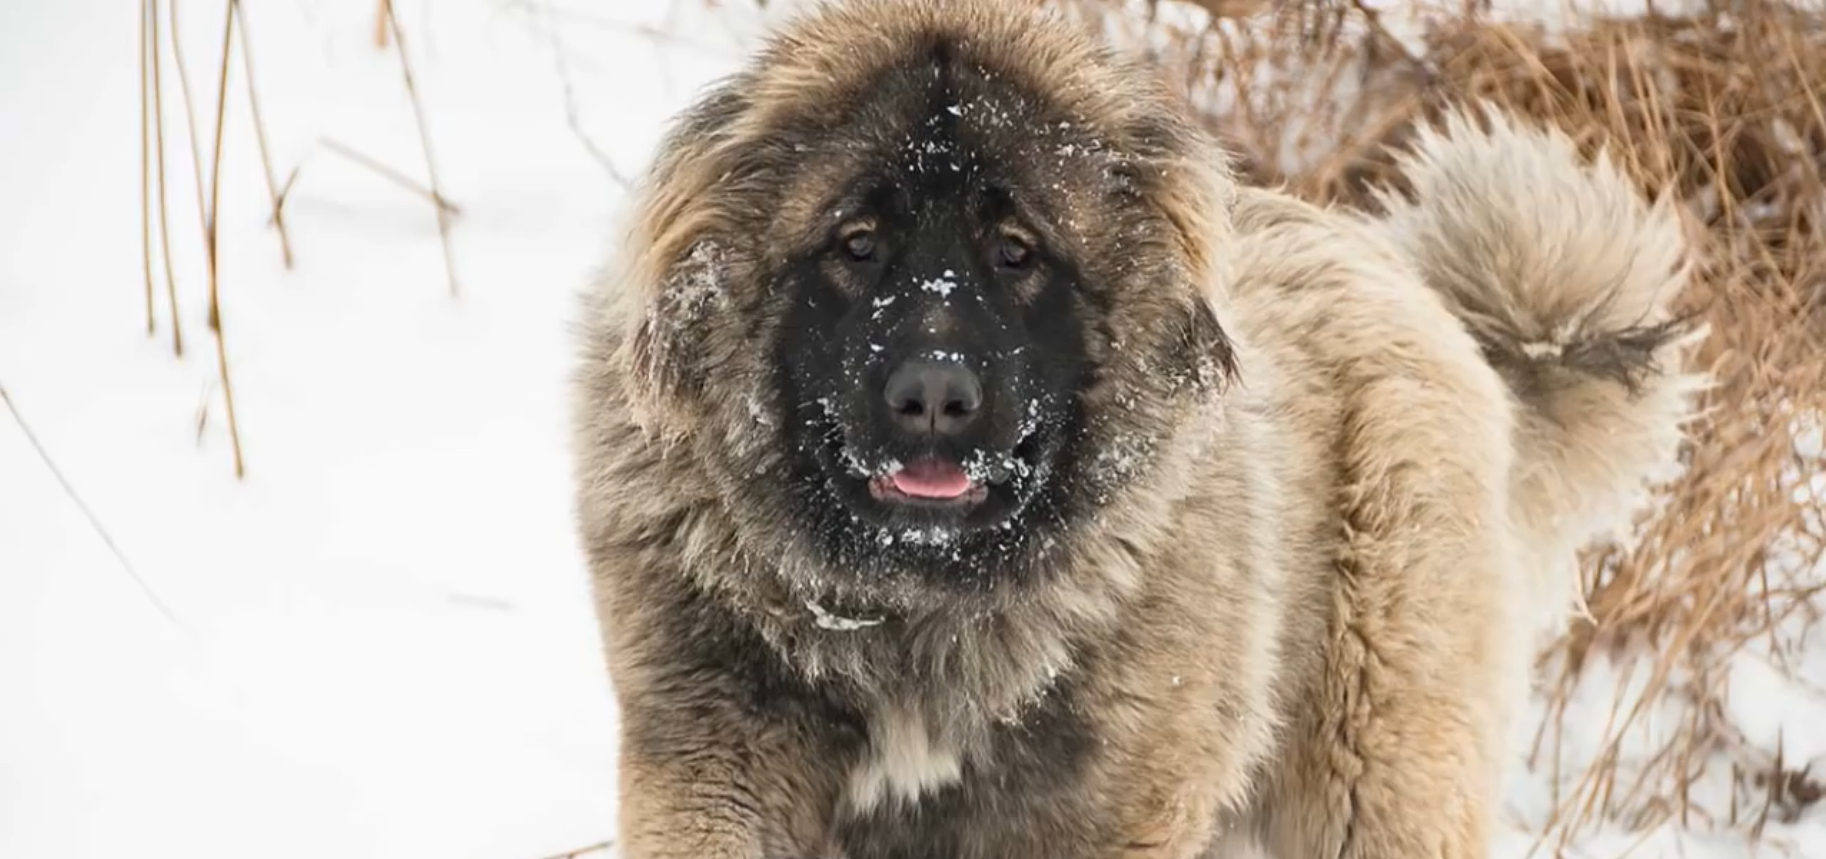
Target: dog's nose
{"x": 930, "y": 397}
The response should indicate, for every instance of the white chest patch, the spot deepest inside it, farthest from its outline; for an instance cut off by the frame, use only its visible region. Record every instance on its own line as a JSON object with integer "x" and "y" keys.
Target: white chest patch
{"x": 904, "y": 761}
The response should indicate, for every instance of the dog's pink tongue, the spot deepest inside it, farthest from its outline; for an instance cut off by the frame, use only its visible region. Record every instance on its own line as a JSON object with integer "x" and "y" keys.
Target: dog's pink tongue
{"x": 932, "y": 478}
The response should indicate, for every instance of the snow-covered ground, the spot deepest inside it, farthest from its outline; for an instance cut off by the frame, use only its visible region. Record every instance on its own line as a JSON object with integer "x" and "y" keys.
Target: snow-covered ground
{"x": 378, "y": 644}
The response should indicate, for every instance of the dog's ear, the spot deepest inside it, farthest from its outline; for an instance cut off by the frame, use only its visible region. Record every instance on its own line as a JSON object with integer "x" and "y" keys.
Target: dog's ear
{"x": 665, "y": 349}
{"x": 680, "y": 254}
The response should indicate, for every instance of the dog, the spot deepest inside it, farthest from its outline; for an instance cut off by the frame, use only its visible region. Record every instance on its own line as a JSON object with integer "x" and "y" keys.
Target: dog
{"x": 970, "y": 466}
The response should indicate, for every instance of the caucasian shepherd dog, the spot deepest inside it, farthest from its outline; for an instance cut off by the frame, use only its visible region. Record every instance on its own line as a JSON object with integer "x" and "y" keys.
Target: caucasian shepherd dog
{"x": 970, "y": 468}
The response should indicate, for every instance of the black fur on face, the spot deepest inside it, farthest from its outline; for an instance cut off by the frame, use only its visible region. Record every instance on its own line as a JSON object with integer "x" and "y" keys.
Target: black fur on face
{"x": 931, "y": 355}
{"x": 932, "y": 358}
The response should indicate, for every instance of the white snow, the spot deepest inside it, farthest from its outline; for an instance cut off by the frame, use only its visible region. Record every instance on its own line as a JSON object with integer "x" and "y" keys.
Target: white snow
{"x": 384, "y": 644}
{"x": 379, "y": 644}
{"x": 836, "y": 623}
{"x": 941, "y": 285}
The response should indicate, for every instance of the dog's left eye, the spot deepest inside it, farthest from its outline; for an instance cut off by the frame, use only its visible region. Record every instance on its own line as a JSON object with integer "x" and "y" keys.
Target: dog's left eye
{"x": 1013, "y": 253}
{"x": 859, "y": 246}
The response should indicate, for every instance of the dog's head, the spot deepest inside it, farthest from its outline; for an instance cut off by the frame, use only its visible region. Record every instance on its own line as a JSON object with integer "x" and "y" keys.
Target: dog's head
{"x": 925, "y": 287}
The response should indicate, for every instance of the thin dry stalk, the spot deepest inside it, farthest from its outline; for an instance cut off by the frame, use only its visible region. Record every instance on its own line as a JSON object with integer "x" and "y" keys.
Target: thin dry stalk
{"x": 384, "y": 172}
{"x": 215, "y": 294}
{"x": 145, "y": 162}
{"x": 101, "y": 531}
{"x": 573, "y": 854}
{"x": 266, "y": 161}
{"x": 285, "y": 191}
{"x": 382, "y": 10}
{"x": 571, "y": 110}
{"x": 190, "y": 118}
{"x": 424, "y": 137}
{"x": 158, "y": 120}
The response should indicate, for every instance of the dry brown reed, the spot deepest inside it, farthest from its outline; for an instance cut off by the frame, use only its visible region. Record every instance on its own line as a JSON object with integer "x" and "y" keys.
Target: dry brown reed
{"x": 101, "y": 531}
{"x": 584, "y": 851}
{"x": 424, "y": 139}
{"x": 1722, "y": 109}
{"x": 152, "y": 102}
{"x": 190, "y": 118}
{"x": 208, "y": 190}
{"x": 266, "y": 159}
{"x": 383, "y": 13}
{"x": 145, "y": 160}
{"x": 377, "y": 168}
{"x": 572, "y": 111}
{"x": 211, "y": 220}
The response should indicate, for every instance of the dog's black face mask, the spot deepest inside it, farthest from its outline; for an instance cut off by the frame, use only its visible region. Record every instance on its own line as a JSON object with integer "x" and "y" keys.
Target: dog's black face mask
{"x": 931, "y": 360}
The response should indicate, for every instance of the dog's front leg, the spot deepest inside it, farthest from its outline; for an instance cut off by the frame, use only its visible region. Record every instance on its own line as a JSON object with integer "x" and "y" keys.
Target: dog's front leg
{"x": 703, "y": 782}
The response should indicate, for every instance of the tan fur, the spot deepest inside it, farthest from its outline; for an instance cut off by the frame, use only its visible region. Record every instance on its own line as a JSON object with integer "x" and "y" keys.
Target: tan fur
{"x": 1300, "y": 617}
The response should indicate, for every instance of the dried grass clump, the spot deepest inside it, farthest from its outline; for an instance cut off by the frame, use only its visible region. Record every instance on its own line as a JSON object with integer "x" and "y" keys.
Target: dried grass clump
{"x": 1721, "y": 108}
{"x": 208, "y": 189}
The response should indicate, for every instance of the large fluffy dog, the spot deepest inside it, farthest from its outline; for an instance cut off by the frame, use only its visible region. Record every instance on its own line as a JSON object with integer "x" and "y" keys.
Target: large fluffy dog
{"x": 970, "y": 468}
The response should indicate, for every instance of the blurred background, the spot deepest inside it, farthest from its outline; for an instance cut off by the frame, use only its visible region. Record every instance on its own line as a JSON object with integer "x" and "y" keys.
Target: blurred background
{"x": 286, "y": 562}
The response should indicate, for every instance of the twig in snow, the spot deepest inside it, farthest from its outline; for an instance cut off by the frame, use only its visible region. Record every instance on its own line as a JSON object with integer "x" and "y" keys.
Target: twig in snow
{"x": 158, "y": 114}
{"x": 285, "y": 191}
{"x": 266, "y": 161}
{"x": 570, "y": 101}
{"x": 203, "y": 415}
{"x": 381, "y": 11}
{"x": 190, "y": 117}
{"x": 582, "y": 850}
{"x": 215, "y": 190}
{"x": 424, "y": 137}
{"x": 384, "y": 172}
{"x": 145, "y": 162}
{"x": 94, "y": 522}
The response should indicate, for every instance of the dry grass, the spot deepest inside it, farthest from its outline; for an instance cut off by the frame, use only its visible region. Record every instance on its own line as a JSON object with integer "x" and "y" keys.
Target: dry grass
{"x": 424, "y": 139}
{"x": 88, "y": 513}
{"x": 152, "y": 103}
{"x": 211, "y": 238}
{"x": 266, "y": 158}
{"x": 145, "y": 160}
{"x": 208, "y": 190}
{"x": 1722, "y": 109}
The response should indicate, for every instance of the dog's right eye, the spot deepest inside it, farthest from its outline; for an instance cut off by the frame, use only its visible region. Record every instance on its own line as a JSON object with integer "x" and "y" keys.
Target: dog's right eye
{"x": 859, "y": 245}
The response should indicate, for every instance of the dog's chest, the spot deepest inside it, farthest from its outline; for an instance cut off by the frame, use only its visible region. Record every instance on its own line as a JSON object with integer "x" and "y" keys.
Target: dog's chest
{"x": 921, "y": 788}
{"x": 907, "y": 759}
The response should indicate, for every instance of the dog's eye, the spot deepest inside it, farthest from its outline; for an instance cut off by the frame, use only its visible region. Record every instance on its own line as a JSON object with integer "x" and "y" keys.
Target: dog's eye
{"x": 1011, "y": 252}
{"x": 859, "y": 245}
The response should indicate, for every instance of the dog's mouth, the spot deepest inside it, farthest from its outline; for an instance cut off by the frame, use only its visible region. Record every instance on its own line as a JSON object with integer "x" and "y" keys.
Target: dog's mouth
{"x": 932, "y": 481}
{"x": 891, "y": 488}
{"x": 937, "y": 490}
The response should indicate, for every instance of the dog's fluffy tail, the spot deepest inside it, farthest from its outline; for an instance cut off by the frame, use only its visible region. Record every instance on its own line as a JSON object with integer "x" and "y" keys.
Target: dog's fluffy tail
{"x": 1564, "y": 275}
